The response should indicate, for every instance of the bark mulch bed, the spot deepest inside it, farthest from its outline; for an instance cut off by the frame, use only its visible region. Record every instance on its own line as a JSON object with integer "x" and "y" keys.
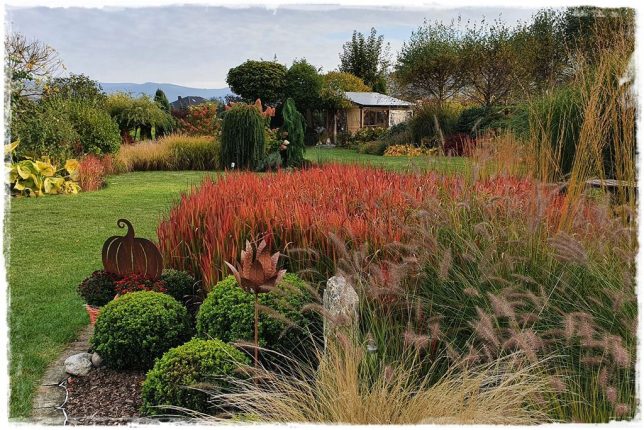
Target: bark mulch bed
{"x": 104, "y": 397}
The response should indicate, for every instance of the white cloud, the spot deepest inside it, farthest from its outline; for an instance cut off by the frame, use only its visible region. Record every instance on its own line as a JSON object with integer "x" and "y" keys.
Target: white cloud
{"x": 196, "y": 45}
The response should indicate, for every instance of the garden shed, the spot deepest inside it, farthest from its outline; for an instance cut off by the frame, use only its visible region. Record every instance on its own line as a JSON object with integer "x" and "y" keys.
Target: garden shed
{"x": 375, "y": 110}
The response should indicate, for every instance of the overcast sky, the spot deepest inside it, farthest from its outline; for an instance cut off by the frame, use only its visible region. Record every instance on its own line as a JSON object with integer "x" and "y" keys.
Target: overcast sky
{"x": 196, "y": 45}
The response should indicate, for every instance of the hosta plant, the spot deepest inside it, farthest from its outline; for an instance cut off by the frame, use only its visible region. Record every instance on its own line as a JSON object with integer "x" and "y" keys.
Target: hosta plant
{"x": 39, "y": 177}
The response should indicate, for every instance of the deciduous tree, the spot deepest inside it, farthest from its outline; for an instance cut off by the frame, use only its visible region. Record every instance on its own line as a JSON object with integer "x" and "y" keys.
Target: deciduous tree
{"x": 303, "y": 84}
{"x": 262, "y": 80}
{"x": 29, "y": 65}
{"x": 429, "y": 64}
{"x": 489, "y": 63}
{"x": 589, "y": 30}
{"x": 541, "y": 44}
{"x": 367, "y": 57}
{"x": 76, "y": 87}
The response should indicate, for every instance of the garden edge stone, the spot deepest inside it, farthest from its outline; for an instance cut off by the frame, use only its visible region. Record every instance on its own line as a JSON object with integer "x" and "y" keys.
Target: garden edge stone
{"x": 50, "y": 394}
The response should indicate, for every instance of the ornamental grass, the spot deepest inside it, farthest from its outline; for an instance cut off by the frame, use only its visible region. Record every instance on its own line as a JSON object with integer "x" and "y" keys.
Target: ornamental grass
{"x": 362, "y": 206}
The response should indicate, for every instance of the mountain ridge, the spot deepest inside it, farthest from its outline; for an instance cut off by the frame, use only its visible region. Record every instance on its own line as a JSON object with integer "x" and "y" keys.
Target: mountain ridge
{"x": 172, "y": 91}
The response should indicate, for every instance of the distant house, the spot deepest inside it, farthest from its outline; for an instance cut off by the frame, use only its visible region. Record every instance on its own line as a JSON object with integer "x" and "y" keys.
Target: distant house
{"x": 183, "y": 103}
{"x": 375, "y": 110}
{"x": 366, "y": 110}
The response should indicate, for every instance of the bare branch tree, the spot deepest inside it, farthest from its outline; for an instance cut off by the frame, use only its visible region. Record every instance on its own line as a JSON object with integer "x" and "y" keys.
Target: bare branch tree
{"x": 29, "y": 64}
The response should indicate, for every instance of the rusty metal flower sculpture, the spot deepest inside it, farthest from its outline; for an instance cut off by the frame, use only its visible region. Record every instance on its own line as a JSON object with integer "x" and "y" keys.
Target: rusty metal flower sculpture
{"x": 257, "y": 274}
{"x": 258, "y": 269}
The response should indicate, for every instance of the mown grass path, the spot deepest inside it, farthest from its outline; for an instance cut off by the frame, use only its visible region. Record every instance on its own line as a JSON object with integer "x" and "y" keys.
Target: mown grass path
{"x": 446, "y": 165}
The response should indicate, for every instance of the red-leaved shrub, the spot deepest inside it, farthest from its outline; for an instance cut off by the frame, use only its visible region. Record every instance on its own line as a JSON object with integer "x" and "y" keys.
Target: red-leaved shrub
{"x": 135, "y": 282}
{"x": 199, "y": 120}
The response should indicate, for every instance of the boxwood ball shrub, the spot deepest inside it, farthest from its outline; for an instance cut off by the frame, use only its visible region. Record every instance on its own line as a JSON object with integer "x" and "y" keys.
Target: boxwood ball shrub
{"x": 134, "y": 329}
{"x": 181, "y": 286}
{"x": 228, "y": 314}
{"x": 375, "y": 147}
{"x": 98, "y": 288}
{"x": 172, "y": 380}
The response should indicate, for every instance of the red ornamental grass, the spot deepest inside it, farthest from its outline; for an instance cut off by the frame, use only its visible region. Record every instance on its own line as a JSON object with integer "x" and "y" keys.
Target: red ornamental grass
{"x": 92, "y": 171}
{"x": 358, "y": 204}
{"x": 212, "y": 224}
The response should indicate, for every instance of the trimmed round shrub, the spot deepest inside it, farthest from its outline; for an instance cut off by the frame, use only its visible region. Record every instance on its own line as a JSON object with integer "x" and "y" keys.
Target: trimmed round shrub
{"x": 180, "y": 285}
{"x": 134, "y": 329}
{"x": 173, "y": 379}
{"x": 98, "y": 289}
{"x": 228, "y": 313}
{"x": 376, "y": 147}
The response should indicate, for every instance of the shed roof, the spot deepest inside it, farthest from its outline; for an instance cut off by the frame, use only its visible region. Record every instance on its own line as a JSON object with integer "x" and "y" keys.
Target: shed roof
{"x": 185, "y": 102}
{"x": 375, "y": 99}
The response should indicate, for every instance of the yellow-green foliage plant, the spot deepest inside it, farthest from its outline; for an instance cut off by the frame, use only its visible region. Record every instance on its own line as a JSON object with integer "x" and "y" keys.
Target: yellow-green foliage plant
{"x": 34, "y": 178}
{"x": 408, "y": 151}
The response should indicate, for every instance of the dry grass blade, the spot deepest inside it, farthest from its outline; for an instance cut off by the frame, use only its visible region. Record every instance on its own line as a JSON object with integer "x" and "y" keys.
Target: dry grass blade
{"x": 337, "y": 392}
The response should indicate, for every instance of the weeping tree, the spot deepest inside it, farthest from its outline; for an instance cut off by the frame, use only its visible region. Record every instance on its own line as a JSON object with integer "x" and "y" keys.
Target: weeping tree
{"x": 294, "y": 126}
{"x": 242, "y": 137}
{"x": 134, "y": 114}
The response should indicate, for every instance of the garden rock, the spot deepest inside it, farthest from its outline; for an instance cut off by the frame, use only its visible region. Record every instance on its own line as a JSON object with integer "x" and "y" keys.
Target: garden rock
{"x": 79, "y": 364}
{"x": 340, "y": 302}
{"x": 97, "y": 360}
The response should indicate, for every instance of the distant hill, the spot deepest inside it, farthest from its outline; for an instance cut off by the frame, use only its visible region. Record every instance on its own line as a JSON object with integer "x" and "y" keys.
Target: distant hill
{"x": 171, "y": 91}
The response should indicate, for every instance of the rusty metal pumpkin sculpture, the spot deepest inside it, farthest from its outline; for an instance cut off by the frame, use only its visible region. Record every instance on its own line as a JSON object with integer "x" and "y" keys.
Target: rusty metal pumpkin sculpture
{"x": 126, "y": 254}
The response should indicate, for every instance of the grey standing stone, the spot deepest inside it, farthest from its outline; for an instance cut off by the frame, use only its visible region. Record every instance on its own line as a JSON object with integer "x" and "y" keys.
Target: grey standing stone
{"x": 97, "y": 360}
{"x": 340, "y": 302}
{"x": 79, "y": 364}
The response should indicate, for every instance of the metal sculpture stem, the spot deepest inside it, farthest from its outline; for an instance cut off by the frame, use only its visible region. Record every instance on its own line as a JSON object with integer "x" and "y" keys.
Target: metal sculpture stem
{"x": 256, "y": 330}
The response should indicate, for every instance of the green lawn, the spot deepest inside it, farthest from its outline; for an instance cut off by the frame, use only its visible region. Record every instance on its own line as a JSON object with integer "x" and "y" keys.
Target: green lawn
{"x": 54, "y": 242}
{"x": 446, "y": 165}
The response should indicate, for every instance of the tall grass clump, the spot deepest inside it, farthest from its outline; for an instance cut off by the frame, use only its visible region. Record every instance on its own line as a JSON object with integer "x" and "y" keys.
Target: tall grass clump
{"x": 194, "y": 153}
{"x": 210, "y": 224}
{"x": 242, "y": 137}
{"x": 432, "y": 121}
{"x": 489, "y": 274}
{"x": 173, "y": 152}
{"x": 501, "y": 281}
{"x": 341, "y": 390}
{"x": 93, "y": 171}
{"x": 586, "y": 129}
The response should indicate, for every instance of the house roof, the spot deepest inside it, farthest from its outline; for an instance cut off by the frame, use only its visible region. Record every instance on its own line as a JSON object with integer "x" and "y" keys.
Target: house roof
{"x": 184, "y": 102}
{"x": 375, "y": 99}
